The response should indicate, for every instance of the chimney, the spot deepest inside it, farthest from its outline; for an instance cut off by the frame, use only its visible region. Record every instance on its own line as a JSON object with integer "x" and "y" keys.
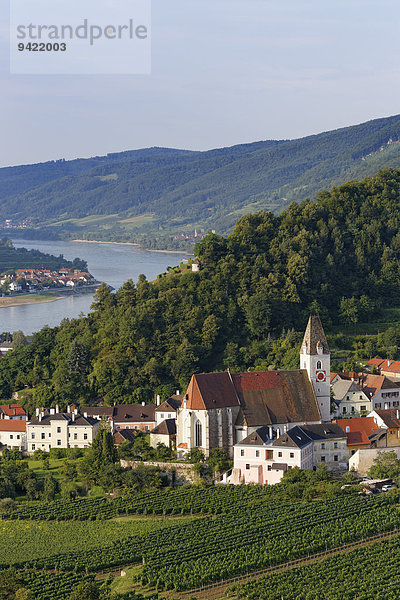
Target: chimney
{"x": 57, "y": 409}
{"x": 85, "y": 415}
{"x": 37, "y": 412}
{"x": 347, "y": 429}
{"x": 68, "y": 409}
{"x": 158, "y": 400}
{"x": 177, "y": 392}
{"x": 278, "y": 433}
{"x": 397, "y": 414}
{"x": 73, "y": 417}
{"x": 75, "y": 411}
{"x": 52, "y": 411}
{"x": 143, "y": 403}
{"x": 40, "y": 417}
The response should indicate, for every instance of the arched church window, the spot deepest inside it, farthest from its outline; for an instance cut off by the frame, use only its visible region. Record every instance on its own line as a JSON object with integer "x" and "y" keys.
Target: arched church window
{"x": 319, "y": 365}
{"x": 198, "y": 435}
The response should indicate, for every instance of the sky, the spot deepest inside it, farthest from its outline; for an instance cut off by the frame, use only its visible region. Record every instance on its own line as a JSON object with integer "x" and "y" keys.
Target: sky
{"x": 223, "y": 72}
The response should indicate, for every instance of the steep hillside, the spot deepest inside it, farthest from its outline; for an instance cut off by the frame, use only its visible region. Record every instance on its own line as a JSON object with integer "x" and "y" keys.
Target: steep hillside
{"x": 162, "y": 190}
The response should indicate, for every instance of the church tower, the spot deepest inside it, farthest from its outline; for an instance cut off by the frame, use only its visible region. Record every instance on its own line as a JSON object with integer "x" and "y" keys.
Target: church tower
{"x": 316, "y": 359}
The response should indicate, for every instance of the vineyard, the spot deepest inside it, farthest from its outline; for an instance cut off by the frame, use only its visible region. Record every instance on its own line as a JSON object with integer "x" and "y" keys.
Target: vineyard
{"x": 371, "y": 573}
{"x": 214, "y": 547}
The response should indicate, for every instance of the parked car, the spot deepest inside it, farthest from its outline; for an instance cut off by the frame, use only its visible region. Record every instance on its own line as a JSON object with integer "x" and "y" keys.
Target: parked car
{"x": 386, "y": 488}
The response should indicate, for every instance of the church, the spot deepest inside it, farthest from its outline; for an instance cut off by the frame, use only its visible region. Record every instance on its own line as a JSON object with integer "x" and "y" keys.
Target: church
{"x": 220, "y": 410}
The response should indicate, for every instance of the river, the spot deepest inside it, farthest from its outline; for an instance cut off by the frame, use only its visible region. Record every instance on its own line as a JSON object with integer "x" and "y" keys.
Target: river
{"x": 112, "y": 263}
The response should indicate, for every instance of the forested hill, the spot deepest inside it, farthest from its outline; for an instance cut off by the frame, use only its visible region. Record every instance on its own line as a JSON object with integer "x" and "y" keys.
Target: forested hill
{"x": 156, "y": 189}
{"x": 20, "y": 258}
{"x": 338, "y": 256}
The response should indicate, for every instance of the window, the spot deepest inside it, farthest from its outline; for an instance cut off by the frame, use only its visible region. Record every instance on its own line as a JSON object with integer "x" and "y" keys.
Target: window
{"x": 279, "y": 454}
{"x": 347, "y": 397}
{"x": 361, "y": 397}
{"x": 75, "y": 436}
{"x": 344, "y": 410}
{"x": 85, "y": 436}
{"x": 146, "y": 428}
{"x": 269, "y": 468}
{"x": 363, "y": 408}
{"x": 322, "y": 458}
{"x": 18, "y": 437}
{"x": 269, "y": 454}
{"x": 319, "y": 365}
{"x": 395, "y": 404}
{"x": 378, "y": 405}
{"x": 257, "y": 453}
{"x": 198, "y": 435}
{"x": 33, "y": 447}
{"x": 242, "y": 453}
{"x": 353, "y": 452}
{"x": 43, "y": 436}
{"x": 11, "y": 437}
{"x": 33, "y": 436}
{"x": 353, "y": 409}
{"x": 336, "y": 458}
{"x": 49, "y": 435}
{"x": 335, "y": 445}
{"x": 58, "y": 429}
{"x": 58, "y": 442}
{"x": 169, "y": 416}
{"x": 291, "y": 455}
{"x": 126, "y": 426}
{"x": 162, "y": 415}
{"x": 247, "y": 467}
{"x": 323, "y": 446}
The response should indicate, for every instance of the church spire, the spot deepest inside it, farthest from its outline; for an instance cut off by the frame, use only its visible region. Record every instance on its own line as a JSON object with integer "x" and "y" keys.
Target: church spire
{"x": 314, "y": 341}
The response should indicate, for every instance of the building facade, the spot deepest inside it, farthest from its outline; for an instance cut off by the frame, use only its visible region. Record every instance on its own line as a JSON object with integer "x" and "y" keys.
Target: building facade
{"x": 60, "y": 430}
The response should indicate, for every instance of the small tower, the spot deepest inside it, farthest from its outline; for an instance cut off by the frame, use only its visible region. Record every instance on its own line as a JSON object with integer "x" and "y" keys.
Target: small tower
{"x": 316, "y": 359}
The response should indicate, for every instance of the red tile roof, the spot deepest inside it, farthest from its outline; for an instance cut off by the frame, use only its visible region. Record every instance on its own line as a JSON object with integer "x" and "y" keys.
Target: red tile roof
{"x": 12, "y": 410}
{"x": 359, "y": 430}
{"x": 264, "y": 397}
{"x": 12, "y": 425}
{"x": 388, "y": 366}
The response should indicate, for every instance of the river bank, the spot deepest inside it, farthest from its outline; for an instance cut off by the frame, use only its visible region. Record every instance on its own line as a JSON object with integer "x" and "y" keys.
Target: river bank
{"x": 28, "y": 299}
{"x": 133, "y": 244}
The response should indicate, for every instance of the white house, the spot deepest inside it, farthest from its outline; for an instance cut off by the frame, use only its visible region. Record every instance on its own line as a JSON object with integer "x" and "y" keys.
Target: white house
{"x": 13, "y": 434}
{"x": 60, "y": 430}
{"x": 168, "y": 409}
{"x": 350, "y": 398}
{"x": 264, "y": 460}
{"x": 13, "y": 412}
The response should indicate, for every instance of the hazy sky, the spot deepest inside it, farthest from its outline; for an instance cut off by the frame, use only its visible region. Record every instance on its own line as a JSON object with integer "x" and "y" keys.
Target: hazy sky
{"x": 223, "y": 72}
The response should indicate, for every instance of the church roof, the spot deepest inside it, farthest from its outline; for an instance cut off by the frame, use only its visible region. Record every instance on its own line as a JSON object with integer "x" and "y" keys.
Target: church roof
{"x": 315, "y": 336}
{"x": 264, "y": 397}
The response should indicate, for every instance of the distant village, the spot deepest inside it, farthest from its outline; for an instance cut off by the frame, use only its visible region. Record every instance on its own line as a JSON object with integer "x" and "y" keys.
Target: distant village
{"x": 10, "y": 224}
{"x": 268, "y": 422}
{"x": 33, "y": 280}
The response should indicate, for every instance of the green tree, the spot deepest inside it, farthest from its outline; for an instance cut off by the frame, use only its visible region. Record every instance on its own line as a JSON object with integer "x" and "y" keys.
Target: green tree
{"x": 50, "y": 488}
{"x": 87, "y": 590}
{"x": 385, "y": 466}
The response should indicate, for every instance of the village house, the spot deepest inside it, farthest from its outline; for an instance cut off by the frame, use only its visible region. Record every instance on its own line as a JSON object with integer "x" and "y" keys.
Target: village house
{"x": 388, "y": 432}
{"x": 139, "y": 417}
{"x": 169, "y": 408}
{"x": 358, "y": 432}
{"x": 259, "y": 459}
{"x": 60, "y": 430}
{"x": 13, "y": 434}
{"x": 123, "y": 435}
{"x": 389, "y": 368}
{"x": 13, "y": 411}
{"x": 221, "y": 409}
{"x": 164, "y": 433}
{"x": 351, "y": 400}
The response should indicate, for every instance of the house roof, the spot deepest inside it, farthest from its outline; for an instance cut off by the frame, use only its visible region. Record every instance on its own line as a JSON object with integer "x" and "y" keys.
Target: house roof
{"x": 324, "y": 431}
{"x": 173, "y": 403}
{"x": 358, "y": 430}
{"x": 387, "y": 366}
{"x": 390, "y": 417}
{"x": 134, "y": 413}
{"x": 12, "y": 425}
{"x": 257, "y": 438}
{"x": 297, "y": 437}
{"x": 314, "y": 336}
{"x": 341, "y": 387}
{"x": 102, "y": 411}
{"x": 167, "y": 427}
{"x": 79, "y": 419}
{"x": 12, "y": 410}
{"x": 264, "y": 397}
{"x": 123, "y": 435}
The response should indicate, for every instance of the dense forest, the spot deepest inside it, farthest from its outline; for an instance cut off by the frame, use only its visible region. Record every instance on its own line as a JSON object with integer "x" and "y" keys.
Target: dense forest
{"x": 20, "y": 258}
{"x": 152, "y": 193}
{"x": 338, "y": 256}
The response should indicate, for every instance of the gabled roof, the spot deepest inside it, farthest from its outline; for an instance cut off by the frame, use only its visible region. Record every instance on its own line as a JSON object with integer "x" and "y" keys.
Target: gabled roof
{"x": 358, "y": 430}
{"x": 134, "y": 413}
{"x": 167, "y": 427}
{"x": 172, "y": 404}
{"x": 257, "y": 438}
{"x": 297, "y": 437}
{"x": 102, "y": 411}
{"x": 78, "y": 420}
{"x": 314, "y": 337}
{"x": 12, "y": 425}
{"x": 341, "y": 387}
{"x": 324, "y": 431}
{"x": 12, "y": 410}
{"x": 123, "y": 435}
{"x": 386, "y": 366}
{"x": 390, "y": 417}
{"x": 264, "y": 397}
